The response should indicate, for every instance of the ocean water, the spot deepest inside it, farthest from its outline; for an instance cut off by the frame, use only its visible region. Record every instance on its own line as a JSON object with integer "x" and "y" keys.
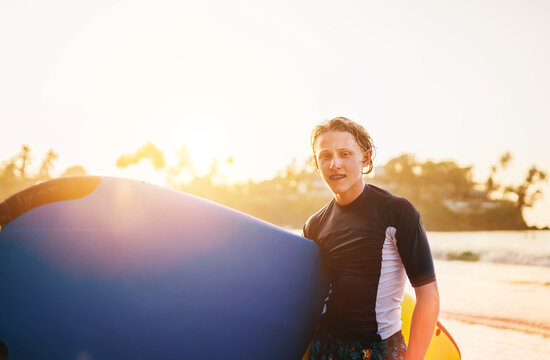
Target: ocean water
{"x": 530, "y": 247}
{"x": 508, "y": 247}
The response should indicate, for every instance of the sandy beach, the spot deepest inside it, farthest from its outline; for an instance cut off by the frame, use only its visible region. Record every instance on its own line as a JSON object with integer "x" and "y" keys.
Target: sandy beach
{"x": 496, "y": 311}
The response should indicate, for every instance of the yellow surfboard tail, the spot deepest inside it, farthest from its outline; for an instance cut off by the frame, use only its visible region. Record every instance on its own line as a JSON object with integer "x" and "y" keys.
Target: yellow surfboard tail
{"x": 442, "y": 346}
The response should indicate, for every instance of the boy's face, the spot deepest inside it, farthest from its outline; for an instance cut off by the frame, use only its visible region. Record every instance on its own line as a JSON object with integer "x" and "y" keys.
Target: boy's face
{"x": 340, "y": 162}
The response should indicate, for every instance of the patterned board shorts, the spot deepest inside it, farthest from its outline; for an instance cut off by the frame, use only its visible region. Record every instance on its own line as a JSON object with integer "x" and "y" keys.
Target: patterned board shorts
{"x": 327, "y": 347}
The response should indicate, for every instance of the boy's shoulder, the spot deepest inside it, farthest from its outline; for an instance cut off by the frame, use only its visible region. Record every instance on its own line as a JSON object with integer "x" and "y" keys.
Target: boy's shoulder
{"x": 314, "y": 220}
{"x": 383, "y": 198}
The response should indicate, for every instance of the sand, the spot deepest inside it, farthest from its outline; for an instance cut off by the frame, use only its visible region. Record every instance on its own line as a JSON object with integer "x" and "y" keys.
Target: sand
{"x": 496, "y": 311}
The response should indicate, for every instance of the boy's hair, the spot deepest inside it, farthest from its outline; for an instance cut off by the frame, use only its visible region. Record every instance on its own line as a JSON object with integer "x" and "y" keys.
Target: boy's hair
{"x": 345, "y": 125}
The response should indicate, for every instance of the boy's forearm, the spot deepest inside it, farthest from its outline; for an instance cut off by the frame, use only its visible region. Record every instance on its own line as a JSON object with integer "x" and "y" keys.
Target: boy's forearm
{"x": 424, "y": 318}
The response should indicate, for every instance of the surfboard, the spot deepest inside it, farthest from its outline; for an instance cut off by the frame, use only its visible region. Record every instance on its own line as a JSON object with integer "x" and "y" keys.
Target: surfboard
{"x": 108, "y": 268}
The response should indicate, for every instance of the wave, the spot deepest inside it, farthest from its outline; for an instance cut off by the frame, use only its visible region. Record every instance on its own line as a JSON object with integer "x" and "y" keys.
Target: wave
{"x": 494, "y": 257}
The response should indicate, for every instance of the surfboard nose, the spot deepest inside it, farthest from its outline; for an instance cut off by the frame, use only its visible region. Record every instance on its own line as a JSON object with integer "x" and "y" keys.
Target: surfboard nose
{"x": 45, "y": 193}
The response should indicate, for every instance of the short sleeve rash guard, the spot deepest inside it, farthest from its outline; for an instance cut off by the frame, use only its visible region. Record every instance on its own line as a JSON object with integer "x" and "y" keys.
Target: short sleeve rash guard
{"x": 370, "y": 244}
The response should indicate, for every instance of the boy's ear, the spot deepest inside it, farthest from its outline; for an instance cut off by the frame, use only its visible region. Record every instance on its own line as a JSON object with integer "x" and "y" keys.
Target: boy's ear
{"x": 367, "y": 156}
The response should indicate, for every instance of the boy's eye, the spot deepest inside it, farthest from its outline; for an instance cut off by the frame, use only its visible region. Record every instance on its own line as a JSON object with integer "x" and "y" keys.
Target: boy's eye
{"x": 324, "y": 156}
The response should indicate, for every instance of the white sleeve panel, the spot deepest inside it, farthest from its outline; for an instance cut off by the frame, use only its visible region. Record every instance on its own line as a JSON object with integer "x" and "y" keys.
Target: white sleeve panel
{"x": 390, "y": 287}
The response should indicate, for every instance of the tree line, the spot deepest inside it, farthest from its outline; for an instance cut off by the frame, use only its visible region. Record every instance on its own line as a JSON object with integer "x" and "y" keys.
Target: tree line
{"x": 444, "y": 192}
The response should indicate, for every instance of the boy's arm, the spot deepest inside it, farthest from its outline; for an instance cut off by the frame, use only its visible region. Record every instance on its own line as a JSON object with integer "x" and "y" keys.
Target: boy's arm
{"x": 423, "y": 321}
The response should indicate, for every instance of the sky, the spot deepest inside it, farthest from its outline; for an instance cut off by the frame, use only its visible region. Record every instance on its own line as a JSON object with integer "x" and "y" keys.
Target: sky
{"x": 443, "y": 80}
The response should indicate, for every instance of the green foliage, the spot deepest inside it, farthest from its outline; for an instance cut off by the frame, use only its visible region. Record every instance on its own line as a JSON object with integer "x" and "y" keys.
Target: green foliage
{"x": 500, "y": 215}
{"x": 287, "y": 200}
{"x": 443, "y": 192}
{"x": 427, "y": 182}
{"x": 15, "y": 175}
{"x": 448, "y": 199}
{"x": 525, "y": 194}
{"x": 148, "y": 151}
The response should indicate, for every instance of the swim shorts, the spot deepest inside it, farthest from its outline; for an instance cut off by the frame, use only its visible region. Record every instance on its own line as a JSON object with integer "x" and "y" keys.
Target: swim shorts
{"x": 327, "y": 347}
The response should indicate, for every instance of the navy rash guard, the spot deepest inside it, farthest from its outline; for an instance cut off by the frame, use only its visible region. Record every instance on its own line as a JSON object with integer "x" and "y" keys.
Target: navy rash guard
{"x": 370, "y": 244}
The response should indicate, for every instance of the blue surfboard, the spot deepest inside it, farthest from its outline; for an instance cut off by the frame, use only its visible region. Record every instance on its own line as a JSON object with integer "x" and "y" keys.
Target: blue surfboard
{"x": 109, "y": 268}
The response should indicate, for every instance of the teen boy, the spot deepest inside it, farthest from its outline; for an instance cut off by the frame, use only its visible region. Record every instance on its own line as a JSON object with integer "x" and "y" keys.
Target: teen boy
{"x": 373, "y": 241}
